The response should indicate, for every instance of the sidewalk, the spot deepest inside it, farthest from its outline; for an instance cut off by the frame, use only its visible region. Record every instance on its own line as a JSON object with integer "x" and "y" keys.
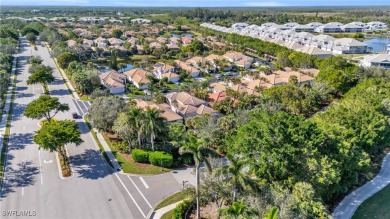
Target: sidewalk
{"x": 100, "y": 137}
{"x": 7, "y": 105}
{"x": 160, "y": 212}
{"x": 351, "y": 202}
{"x": 107, "y": 150}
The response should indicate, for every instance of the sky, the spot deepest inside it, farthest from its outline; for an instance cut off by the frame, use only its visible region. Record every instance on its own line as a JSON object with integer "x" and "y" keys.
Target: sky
{"x": 197, "y": 3}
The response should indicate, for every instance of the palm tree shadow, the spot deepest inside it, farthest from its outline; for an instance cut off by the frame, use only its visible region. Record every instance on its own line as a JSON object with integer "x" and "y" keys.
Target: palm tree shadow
{"x": 21, "y": 176}
{"x": 90, "y": 165}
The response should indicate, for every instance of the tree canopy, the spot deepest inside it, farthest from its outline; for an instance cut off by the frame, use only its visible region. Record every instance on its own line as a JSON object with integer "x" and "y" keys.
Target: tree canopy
{"x": 45, "y": 107}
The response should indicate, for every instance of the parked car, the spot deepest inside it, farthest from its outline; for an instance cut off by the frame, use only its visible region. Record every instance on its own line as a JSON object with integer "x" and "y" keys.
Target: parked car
{"x": 75, "y": 116}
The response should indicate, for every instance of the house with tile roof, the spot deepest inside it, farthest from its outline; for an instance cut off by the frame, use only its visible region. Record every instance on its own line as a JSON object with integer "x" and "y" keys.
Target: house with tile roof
{"x": 187, "y": 105}
{"x": 192, "y": 71}
{"x": 165, "y": 110}
{"x": 161, "y": 68}
{"x": 113, "y": 81}
{"x": 138, "y": 77}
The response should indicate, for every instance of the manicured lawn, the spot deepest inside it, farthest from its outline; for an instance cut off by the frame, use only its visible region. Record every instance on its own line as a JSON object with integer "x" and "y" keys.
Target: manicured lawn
{"x": 140, "y": 57}
{"x": 173, "y": 199}
{"x": 171, "y": 86}
{"x": 376, "y": 207}
{"x": 129, "y": 166}
{"x": 168, "y": 215}
{"x": 84, "y": 98}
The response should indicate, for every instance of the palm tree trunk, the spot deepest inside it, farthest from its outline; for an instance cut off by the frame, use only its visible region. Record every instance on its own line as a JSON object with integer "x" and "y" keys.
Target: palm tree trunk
{"x": 234, "y": 193}
{"x": 152, "y": 141}
{"x": 139, "y": 139}
{"x": 197, "y": 192}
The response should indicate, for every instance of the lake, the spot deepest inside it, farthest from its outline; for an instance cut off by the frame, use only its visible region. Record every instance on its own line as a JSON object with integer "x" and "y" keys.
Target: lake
{"x": 378, "y": 44}
{"x": 184, "y": 34}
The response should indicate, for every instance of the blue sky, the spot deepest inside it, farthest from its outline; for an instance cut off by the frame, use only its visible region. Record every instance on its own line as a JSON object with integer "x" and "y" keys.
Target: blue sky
{"x": 197, "y": 3}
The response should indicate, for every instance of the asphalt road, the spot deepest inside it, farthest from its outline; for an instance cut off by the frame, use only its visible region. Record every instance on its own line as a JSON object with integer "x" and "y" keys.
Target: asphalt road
{"x": 31, "y": 180}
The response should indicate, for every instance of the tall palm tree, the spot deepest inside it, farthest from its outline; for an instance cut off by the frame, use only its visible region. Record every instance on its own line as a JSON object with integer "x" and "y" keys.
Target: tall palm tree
{"x": 238, "y": 177}
{"x": 238, "y": 209}
{"x": 152, "y": 123}
{"x": 200, "y": 153}
{"x": 135, "y": 118}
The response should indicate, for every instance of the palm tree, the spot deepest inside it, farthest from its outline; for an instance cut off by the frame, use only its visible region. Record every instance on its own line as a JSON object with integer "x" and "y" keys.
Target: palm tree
{"x": 272, "y": 214}
{"x": 135, "y": 117}
{"x": 199, "y": 152}
{"x": 239, "y": 178}
{"x": 152, "y": 123}
{"x": 236, "y": 210}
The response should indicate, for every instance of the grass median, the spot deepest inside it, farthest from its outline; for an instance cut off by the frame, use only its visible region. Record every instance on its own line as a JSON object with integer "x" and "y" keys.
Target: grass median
{"x": 7, "y": 128}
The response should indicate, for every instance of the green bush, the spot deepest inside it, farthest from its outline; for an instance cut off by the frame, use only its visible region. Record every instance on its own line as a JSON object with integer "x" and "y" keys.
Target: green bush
{"x": 140, "y": 156}
{"x": 187, "y": 159}
{"x": 180, "y": 210}
{"x": 121, "y": 146}
{"x": 160, "y": 158}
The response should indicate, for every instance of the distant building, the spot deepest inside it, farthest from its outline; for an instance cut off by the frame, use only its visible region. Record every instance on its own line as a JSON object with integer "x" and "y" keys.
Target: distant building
{"x": 377, "y": 60}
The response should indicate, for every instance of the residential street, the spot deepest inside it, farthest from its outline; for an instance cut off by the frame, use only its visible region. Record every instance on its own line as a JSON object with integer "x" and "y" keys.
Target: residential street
{"x": 31, "y": 178}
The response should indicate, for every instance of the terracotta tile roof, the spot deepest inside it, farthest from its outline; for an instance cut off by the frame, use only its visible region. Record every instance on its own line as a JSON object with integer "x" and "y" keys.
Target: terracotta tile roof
{"x": 203, "y": 109}
{"x": 112, "y": 79}
{"x": 164, "y": 108}
{"x": 216, "y": 97}
{"x": 184, "y": 98}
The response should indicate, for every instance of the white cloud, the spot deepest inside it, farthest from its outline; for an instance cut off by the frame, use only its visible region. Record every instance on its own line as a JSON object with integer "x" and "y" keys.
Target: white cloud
{"x": 264, "y": 4}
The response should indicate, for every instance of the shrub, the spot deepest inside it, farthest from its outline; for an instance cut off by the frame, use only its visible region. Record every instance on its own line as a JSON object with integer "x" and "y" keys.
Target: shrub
{"x": 160, "y": 158}
{"x": 121, "y": 146}
{"x": 187, "y": 159}
{"x": 180, "y": 210}
{"x": 140, "y": 156}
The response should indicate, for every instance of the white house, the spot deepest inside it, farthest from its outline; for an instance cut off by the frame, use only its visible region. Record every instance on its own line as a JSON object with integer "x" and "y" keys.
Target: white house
{"x": 348, "y": 46}
{"x": 377, "y": 60}
{"x": 160, "y": 68}
{"x": 332, "y": 27}
{"x": 113, "y": 81}
{"x": 138, "y": 77}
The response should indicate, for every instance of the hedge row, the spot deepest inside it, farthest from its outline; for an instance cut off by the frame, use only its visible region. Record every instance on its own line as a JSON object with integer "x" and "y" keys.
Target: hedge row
{"x": 181, "y": 209}
{"x": 157, "y": 158}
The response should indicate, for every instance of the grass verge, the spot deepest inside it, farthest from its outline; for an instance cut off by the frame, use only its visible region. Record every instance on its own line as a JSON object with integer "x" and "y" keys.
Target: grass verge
{"x": 101, "y": 149}
{"x": 7, "y": 129}
{"x": 168, "y": 215}
{"x": 179, "y": 196}
{"x": 376, "y": 207}
{"x": 129, "y": 166}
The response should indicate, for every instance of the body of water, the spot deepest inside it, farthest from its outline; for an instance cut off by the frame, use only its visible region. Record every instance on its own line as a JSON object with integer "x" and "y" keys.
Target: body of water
{"x": 378, "y": 44}
{"x": 184, "y": 34}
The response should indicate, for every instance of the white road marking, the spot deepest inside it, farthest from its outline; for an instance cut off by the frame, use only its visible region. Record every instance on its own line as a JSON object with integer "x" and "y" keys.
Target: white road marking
{"x": 139, "y": 191}
{"x": 24, "y": 128}
{"x": 40, "y": 166}
{"x": 130, "y": 196}
{"x": 144, "y": 182}
{"x": 49, "y": 161}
